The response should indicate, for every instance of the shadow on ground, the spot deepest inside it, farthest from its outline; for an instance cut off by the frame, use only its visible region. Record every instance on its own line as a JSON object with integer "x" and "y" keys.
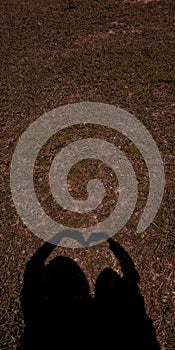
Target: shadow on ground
{"x": 59, "y": 311}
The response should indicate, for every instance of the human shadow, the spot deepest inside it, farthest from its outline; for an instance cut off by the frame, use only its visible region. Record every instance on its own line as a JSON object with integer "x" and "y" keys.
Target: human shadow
{"x": 56, "y": 302}
{"x": 120, "y": 307}
{"x": 60, "y": 313}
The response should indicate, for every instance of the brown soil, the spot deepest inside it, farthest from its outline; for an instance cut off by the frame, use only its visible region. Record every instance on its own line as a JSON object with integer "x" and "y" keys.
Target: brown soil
{"x": 116, "y": 52}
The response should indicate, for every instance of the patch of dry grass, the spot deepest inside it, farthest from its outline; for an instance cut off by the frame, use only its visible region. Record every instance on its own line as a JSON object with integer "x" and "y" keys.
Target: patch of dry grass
{"x": 118, "y": 53}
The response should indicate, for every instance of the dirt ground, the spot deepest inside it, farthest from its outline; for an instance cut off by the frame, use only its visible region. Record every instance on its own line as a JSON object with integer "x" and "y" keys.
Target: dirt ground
{"x": 119, "y": 52}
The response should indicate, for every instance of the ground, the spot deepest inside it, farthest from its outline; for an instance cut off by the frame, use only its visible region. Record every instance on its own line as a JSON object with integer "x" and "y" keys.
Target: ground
{"x": 117, "y": 52}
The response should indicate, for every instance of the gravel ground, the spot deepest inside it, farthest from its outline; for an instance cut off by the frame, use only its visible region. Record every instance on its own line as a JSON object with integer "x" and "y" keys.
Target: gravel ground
{"x": 122, "y": 53}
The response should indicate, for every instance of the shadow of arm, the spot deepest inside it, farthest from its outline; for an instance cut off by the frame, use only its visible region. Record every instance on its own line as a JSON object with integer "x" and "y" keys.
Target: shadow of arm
{"x": 35, "y": 267}
{"x": 127, "y": 266}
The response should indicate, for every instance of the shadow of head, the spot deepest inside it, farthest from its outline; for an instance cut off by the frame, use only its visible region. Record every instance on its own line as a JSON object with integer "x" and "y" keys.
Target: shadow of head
{"x": 64, "y": 282}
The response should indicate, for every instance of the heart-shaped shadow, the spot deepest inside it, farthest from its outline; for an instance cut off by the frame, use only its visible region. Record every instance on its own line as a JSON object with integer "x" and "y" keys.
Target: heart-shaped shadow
{"x": 74, "y": 238}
